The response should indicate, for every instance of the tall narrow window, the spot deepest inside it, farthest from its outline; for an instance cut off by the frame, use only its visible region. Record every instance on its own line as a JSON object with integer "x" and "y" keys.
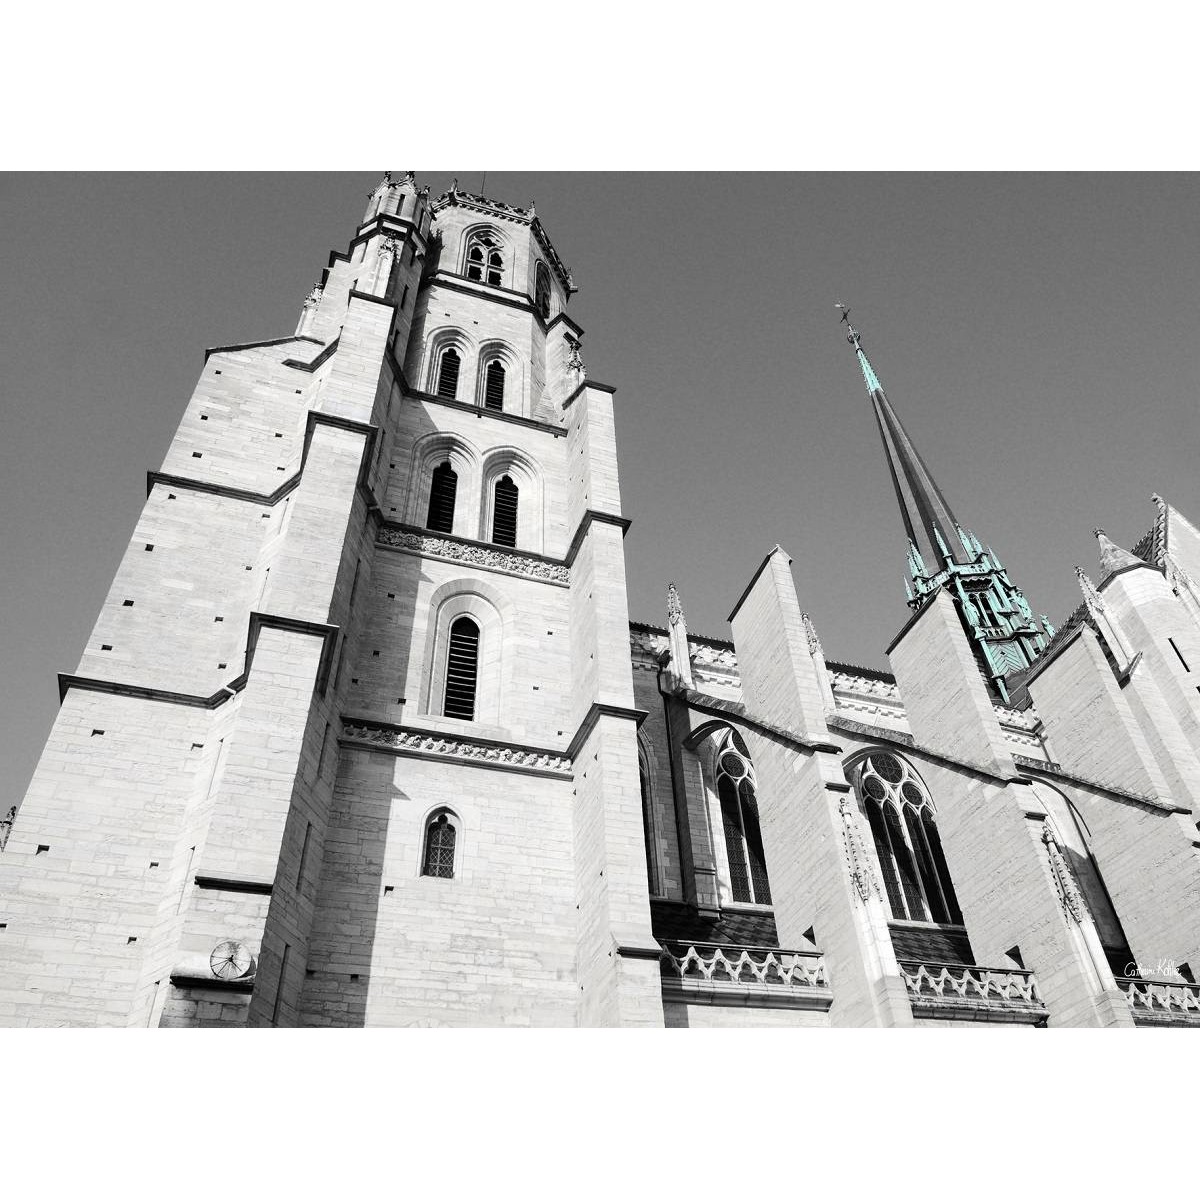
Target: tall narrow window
{"x": 447, "y": 384}
{"x": 739, "y": 818}
{"x": 504, "y": 513}
{"x": 900, "y": 813}
{"x": 541, "y": 295}
{"x": 493, "y": 390}
{"x": 442, "y": 491}
{"x": 440, "y": 836}
{"x": 484, "y": 260}
{"x": 648, "y": 829}
{"x": 462, "y": 669}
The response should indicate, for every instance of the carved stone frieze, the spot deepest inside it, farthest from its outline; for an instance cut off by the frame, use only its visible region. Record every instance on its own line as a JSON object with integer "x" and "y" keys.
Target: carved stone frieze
{"x": 427, "y": 743}
{"x": 514, "y": 563}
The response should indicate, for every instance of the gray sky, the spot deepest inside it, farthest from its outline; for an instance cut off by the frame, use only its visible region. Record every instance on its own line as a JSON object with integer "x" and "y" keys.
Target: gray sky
{"x": 1035, "y": 333}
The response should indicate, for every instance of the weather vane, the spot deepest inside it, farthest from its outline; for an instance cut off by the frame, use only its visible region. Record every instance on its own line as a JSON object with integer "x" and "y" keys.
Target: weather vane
{"x": 852, "y": 334}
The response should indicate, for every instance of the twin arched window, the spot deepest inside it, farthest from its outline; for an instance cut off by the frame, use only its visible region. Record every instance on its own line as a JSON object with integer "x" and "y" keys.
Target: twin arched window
{"x": 739, "y": 819}
{"x": 493, "y": 380}
{"x": 441, "y": 837}
{"x": 485, "y": 262}
{"x": 900, "y": 813}
{"x": 462, "y": 670}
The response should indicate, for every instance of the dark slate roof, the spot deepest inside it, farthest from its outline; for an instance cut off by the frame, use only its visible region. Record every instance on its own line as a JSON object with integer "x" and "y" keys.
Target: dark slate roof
{"x": 674, "y": 922}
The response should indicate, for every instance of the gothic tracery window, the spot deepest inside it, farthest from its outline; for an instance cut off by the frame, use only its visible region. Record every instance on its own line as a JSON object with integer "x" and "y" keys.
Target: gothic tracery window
{"x": 739, "y": 820}
{"x": 442, "y": 491}
{"x": 900, "y": 812}
{"x": 485, "y": 262}
{"x": 440, "y": 839}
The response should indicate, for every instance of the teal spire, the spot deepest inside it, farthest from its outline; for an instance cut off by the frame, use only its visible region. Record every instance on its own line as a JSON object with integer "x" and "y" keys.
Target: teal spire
{"x": 994, "y": 613}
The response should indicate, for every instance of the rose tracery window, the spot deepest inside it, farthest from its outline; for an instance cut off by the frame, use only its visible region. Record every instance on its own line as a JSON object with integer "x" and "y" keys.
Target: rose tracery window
{"x": 739, "y": 819}
{"x": 900, "y": 812}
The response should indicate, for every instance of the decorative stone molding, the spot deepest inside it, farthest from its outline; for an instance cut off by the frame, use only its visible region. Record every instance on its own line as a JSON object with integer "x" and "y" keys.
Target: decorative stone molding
{"x": 511, "y": 562}
{"x": 1064, "y": 878}
{"x": 944, "y": 990}
{"x": 1155, "y": 1002}
{"x": 6, "y": 826}
{"x": 862, "y": 873}
{"x": 814, "y": 642}
{"x": 863, "y": 685}
{"x": 674, "y": 605}
{"x": 416, "y": 741}
{"x": 706, "y": 973}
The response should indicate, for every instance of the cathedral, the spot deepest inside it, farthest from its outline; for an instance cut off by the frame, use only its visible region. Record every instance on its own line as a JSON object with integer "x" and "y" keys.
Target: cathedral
{"x": 364, "y": 734}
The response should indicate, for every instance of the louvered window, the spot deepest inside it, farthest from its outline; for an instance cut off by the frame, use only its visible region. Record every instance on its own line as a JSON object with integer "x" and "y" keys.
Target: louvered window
{"x": 447, "y": 384}
{"x": 440, "y": 837}
{"x": 484, "y": 260}
{"x": 442, "y": 491}
{"x": 462, "y": 669}
{"x": 493, "y": 391}
{"x": 914, "y": 869}
{"x": 542, "y": 290}
{"x": 739, "y": 820}
{"x": 504, "y": 513}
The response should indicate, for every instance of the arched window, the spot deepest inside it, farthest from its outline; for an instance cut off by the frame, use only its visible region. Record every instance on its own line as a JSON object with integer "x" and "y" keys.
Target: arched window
{"x": 447, "y": 380}
{"x": 739, "y": 818}
{"x": 900, "y": 813}
{"x": 440, "y": 838}
{"x": 648, "y": 827}
{"x": 504, "y": 512}
{"x": 484, "y": 260}
{"x": 541, "y": 294}
{"x": 442, "y": 491}
{"x": 493, "y": 388}
{"x": 462, "y": 669}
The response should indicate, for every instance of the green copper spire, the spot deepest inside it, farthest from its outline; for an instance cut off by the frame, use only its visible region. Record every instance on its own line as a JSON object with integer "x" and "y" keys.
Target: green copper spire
{"x": 943, "y": 553}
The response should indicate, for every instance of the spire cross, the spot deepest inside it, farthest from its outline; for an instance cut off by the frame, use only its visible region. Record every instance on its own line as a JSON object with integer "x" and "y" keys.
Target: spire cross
{"x": 852, "y": 334}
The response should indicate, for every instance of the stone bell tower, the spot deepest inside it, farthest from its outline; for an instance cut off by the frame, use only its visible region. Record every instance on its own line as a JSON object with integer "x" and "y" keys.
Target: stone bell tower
{"x": 353, "y": 738}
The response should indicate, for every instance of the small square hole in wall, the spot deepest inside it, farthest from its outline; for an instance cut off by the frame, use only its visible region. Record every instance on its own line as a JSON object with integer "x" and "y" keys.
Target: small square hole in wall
{"x": 153, "y": 865}
{"x": 249, "y": 567}
{"x": 197, "y": 454}
{"x": 353, "y": 978}
{"x": 3, "y": 924}
{"x": 97, "y": 733}
{"x": 216, "y": 372}
{"x": 149, "y": 545}
{"x": 266, "y": 516}
{"x": 221, "y": 666}
{"x": 215, "y": 619}
{"x": 354, "y": 681}
{"x": 280, "y": 468}
{"x": 391, "y": 595}
{"x": 204, "y": 416}
{"x": 197, "y": 745}
{"x": 309, "y": 972}
{"x": 374, "y": 653}
{"x": 391, "y": 510}
{"x": 126, "y": 603}
{"x": 105, "y": 647}
{"x": 42, "y": 850}
{"x": 170, "y": 495}
{"x": 297, "y": 391}
{"x": 388, "y": 889}
{"x": 279, "y": 435}
{"x": 130, "y": 941}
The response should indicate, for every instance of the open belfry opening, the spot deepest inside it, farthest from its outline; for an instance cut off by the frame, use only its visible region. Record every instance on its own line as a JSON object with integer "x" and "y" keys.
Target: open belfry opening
{"x": 403, "y": 758}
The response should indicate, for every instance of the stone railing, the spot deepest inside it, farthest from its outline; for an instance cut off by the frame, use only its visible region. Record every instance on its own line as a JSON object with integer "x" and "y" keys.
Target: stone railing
{"x": 1159, "y": 1002}
{"x": 710, "y": 973}
{"x": 954, "y": 992}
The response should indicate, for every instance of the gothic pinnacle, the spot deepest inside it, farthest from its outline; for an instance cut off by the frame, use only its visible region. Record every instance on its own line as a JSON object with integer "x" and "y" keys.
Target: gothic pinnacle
{"x": 1114, "y": 558}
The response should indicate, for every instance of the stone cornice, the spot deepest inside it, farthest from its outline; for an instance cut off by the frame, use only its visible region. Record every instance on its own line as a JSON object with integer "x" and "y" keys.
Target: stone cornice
{"x": 280, "y": 341}
{"x": 258, "y": 621}
{"x": 411, "y": 742}
{"x": 300, "y": 365}
{"x": 593, "y": 715}
{"x": 594, "y": 384}
{"x": 1055, "y": 771}
{"x": 489, "y": 557}
{"x": 762, "y": 566}
{"x": 585, "y": 523}
{"x": 736, "y": 712}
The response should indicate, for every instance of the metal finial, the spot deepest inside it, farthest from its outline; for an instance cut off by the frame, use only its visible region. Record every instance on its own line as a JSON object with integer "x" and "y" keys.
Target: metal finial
{"x": 1098, "y": 532}
{"x": 852, "y": 334}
